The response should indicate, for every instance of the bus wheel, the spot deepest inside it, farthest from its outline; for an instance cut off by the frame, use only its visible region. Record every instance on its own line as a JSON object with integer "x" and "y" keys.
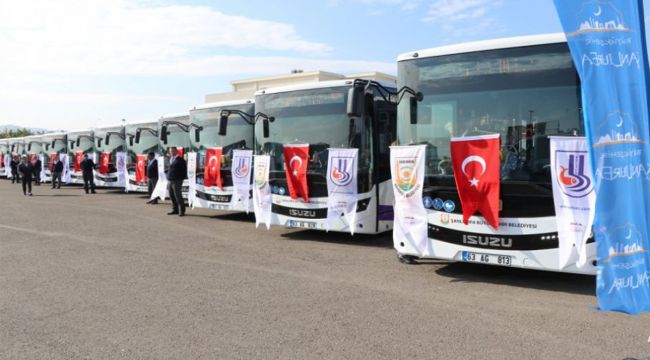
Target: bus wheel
{"x": 407, "y": 259}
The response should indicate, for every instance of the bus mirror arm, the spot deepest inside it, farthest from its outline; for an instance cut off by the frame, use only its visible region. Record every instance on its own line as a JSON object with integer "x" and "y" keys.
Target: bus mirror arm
{"x": 407, "y": 90}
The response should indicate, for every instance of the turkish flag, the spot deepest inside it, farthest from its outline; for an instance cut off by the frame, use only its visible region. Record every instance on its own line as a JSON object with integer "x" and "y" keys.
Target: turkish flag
{"x": 78, "y": 156}
{"x": 140, "y": 164}
{"x": 32, "y": 158}
{"x": 212, "y": 170}
{"x": 476, "y": 164}
{"x": 180, "y": 151}
{"x": 296, "y": 159}
{"x": 104, "y": 160}
{"x": 2, "y": 160}
{"x": 53, "y": 157}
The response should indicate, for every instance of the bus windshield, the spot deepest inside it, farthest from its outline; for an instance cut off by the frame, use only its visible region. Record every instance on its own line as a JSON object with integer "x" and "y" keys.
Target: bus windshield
{"x": 148, "y": 140}
{"x": 524, "y": 94}
{"x": 116, "y": 143}
{"x": 317, "y": 117}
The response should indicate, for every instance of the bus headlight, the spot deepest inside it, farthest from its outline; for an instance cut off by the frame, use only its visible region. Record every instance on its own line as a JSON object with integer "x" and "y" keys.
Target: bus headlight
{"x": 427, "y": 201}
{"x": 281, "y": 190}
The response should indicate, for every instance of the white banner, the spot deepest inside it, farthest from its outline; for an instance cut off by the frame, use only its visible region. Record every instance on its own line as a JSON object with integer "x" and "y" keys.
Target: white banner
{"x": 241, "y": 177}
{"x": 262, "y": 191}
{"x": 66, "y": 176}
{"x": 407, "y": 171}
{"x": 191, "y": 179}
{"x": 41, "y": 157}
{"x": 160, "y": 190}
{"x": 7, "y": 162}
{"x": 122, "y": 172}
{"x": 574, "y": 197}
{"x": 342, "y": 187}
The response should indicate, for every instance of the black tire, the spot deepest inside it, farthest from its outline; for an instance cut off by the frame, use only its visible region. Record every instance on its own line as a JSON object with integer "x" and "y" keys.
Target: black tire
{"x": 407, "y": 259}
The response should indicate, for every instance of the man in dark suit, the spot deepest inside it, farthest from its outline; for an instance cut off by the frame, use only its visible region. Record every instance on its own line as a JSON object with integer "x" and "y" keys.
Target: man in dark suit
{"x": 151, "y": 172}
{"x": 87, "y": 166}
{"x": 38, "y": 167}
{"x": 25, "y": 169}
{"x": 14, "y": 170}
{"x": 176, "y": 174}
{"x": 57, "y": 173}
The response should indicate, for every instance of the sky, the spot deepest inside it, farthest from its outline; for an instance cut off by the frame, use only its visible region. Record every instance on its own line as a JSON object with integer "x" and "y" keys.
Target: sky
{"x": 72, "y": 64}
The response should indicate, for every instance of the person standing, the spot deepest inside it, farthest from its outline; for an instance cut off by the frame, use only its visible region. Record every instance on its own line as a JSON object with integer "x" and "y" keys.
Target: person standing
{"x": 38, "y": 167}
{"x": 176, "y": 174}
{"x": 14, "y": 170}
{"x": 57, "y": 173}
{"x": 151, "y": 172}
{"x": 25, "y": 169}
{"x": 87, "y": 169}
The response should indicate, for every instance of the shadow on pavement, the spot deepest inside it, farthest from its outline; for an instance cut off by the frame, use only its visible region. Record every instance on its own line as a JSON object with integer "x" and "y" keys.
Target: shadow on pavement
{"x": 57, "y": 195}
{"x": 384, "y": 240}
{"x": 532, "y": 279}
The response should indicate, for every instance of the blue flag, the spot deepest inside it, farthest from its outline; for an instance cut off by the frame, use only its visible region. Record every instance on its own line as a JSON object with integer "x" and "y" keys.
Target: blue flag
{"x": 607, "y": 43}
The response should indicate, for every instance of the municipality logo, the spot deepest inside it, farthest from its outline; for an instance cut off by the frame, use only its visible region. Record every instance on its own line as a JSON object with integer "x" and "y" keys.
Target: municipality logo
{"x": 406, "y": 180}
{"x": 599, "y": 16}
{"x": 260, "y": 176}
{"x": 340, "y": 174}
{"x": 571, "y": 174}
{"x": 243, "y": 167}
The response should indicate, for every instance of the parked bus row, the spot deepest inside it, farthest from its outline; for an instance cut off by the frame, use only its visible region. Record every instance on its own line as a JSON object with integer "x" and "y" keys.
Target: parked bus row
{"x": 524, "y": 89}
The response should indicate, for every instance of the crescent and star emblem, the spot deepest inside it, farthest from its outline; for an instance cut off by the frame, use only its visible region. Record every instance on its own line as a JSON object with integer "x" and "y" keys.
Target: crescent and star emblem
{"x": 474, "y": 158}
{"x": 295, "y": 169}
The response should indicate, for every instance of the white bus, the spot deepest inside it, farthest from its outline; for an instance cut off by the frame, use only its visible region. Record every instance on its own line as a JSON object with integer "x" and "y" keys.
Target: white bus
{"x": 53, "y": 145}
{"x": 5, "y": 149}
{"x": 339, "y": 114}
{"x": 524, "y": 89}
{"x": 220, "y": 127}
{"x": 79, "y": 143}
{"x": 109, "y": 141}
{"x": 142, "y": 138}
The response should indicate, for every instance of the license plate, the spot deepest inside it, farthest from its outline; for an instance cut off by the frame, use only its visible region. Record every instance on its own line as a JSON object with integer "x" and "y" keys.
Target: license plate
{"x": 301, "y": 224}
{"x": 503, "y": 260}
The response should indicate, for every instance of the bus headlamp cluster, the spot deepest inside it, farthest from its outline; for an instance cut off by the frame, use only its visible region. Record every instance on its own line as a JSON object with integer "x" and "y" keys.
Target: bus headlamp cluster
{"x": 280, "y": 190}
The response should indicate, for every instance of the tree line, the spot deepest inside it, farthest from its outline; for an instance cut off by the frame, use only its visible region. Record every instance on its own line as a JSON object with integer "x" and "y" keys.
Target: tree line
{"x": 11, "y": 133}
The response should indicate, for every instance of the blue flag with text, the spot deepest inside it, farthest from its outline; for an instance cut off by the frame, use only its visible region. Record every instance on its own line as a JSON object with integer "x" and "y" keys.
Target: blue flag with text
{"x": 607, "y": 42}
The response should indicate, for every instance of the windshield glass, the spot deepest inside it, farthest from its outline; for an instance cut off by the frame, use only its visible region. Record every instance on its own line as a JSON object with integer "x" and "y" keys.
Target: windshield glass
{"x": 148, "y": 140}
{"x": 176, "y": 136}
{"x": 85, "y": 143}
{"x": 523, "y": 94}
{"x": 116, "y": 143}
{"x": 317, "y": 117}
{"x": 239, "y": 133}
{"x": 35, "y": 146}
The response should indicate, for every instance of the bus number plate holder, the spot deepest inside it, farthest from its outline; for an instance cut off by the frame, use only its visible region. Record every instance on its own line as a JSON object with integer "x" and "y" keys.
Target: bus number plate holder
{"x": 474, "y": 257}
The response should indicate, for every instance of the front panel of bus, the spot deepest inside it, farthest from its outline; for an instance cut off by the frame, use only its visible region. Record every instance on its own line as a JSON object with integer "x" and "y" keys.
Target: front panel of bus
{"x": 239, "y": 135}
{"x": 51, "y": 152}
{"x": 4, "y": 150}
{"x": 137, "y": 150}
{"x": 524, "y": 94}
{"x": 76, "y": 151}
{"x": 318, "y": 117}
{"x": 106, "y": 173}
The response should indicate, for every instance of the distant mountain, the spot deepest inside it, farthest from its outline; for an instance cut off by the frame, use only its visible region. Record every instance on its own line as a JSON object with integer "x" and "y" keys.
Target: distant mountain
{"x": 4, "y": 128}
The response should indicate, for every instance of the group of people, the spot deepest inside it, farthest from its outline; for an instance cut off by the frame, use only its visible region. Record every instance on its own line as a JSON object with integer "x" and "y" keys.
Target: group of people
{"x": 175, "y": 175}
{"x": 26, "y": 171}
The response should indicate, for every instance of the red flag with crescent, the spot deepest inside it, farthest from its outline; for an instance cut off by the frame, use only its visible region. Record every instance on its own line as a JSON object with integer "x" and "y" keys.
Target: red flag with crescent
{"x": 212, "y": 173}
{"x": 53, "y": 158}
{"x": 296, "y": 159}
{"x": 78, "y": 157}
{"x": 476, "y": 164}
{"x": 140, "y": 164}
{"x": 180, "y": 151}
{"x": 104, "y": 160}
{"x": 2, "y": 160}
{"x": 32, "y": 158}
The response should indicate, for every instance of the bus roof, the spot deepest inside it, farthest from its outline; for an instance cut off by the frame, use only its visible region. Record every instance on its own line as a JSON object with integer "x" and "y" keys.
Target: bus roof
{"x": 314, "y": 85}
{"x": 223, "y": 103}
{"x": 494, "y": 44}
{"x": 176, "y": 115}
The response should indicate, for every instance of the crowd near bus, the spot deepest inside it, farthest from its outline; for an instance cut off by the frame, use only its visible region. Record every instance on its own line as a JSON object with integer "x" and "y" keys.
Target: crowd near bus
{"x": 317, "y": 155}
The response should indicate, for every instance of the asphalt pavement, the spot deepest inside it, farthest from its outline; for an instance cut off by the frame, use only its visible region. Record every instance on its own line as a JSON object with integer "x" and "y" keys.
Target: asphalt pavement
{"x": 106, "y": 276}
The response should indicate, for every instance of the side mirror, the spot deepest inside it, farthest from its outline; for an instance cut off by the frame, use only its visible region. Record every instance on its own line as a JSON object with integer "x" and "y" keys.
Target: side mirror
{"x": 163, "y": 134}
{"x": 413, "y": 107}
{"x": 53, "y": 142}
{"x": 265, "y": 128}
{"x": 106, "y": 141}
{"x": 130, "y": 140}
{"x": 71, "y": 144}
{"x": 78, "y": 142}
{"x": 29, "y": 147}
{"x": 223, "y": 123}
{"x": 355, "y": 101}
{"x": 197, "y": 134}
{"x": 137, "y": 137}
{"x": 99, "y": 142}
